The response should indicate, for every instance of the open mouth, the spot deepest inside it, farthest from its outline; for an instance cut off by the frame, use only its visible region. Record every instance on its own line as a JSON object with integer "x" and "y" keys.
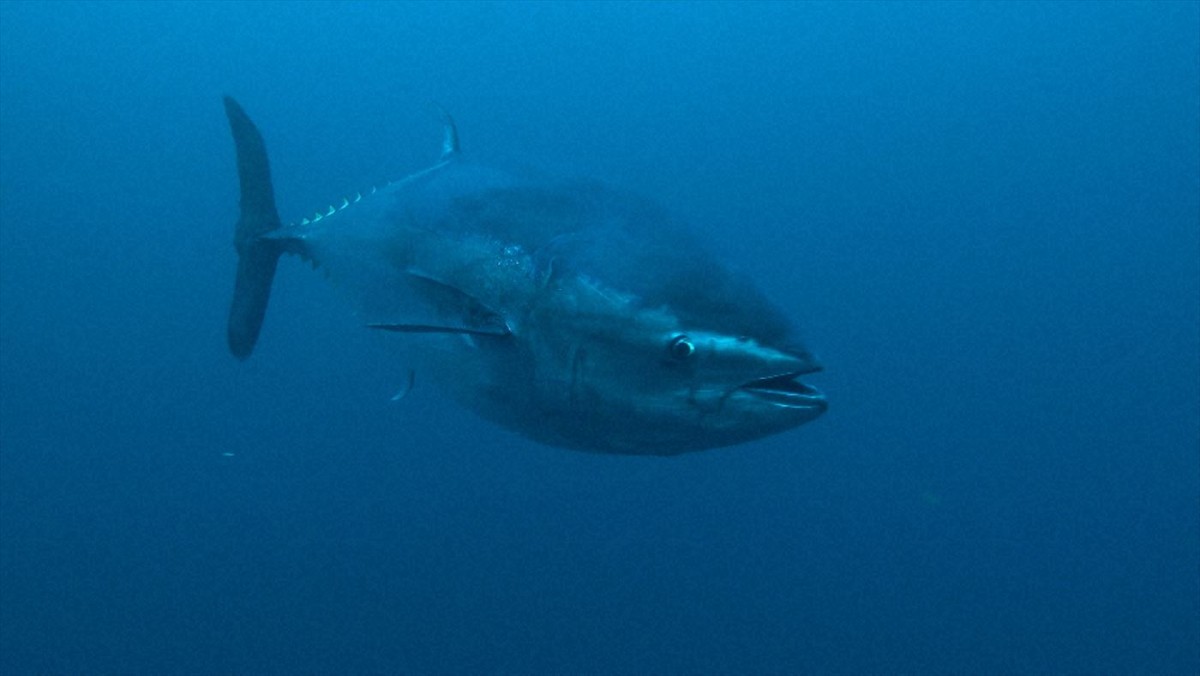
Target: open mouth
{"x": 786, "y": 390}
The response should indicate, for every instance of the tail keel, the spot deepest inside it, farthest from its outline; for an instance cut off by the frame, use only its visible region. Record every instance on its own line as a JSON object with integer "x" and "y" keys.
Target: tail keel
{"x": 257, "y": 255}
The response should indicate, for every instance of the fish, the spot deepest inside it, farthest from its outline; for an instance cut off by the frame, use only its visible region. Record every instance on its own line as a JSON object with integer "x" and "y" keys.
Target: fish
{"x": 574, "y": 314}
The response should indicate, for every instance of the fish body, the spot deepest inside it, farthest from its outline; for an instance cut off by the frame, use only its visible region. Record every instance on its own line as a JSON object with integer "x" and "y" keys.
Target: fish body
{"x": 574, "y": 314}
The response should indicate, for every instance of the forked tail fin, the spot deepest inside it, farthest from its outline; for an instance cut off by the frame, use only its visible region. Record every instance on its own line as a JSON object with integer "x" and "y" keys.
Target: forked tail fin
{"x": 257, "y": 255}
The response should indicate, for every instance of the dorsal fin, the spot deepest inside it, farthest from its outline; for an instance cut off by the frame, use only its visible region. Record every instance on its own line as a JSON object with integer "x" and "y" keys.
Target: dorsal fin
{"x": 450, "y": 146}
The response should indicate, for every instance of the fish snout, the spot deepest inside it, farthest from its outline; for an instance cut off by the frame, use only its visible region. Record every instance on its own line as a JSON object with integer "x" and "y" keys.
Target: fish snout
{"x": 778, "y": 384}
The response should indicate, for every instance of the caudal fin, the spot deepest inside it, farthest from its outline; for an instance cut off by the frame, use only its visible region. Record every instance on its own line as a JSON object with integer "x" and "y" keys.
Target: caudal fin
{"x": 257, "y": 255}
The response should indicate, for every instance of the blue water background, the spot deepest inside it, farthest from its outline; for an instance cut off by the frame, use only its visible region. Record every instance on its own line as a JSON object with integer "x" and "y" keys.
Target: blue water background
{"x": 983, "y": 216}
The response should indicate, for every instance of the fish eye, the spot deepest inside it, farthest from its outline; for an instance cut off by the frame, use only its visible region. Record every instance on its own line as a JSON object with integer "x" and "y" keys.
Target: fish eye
{"x": 680, "y": 347}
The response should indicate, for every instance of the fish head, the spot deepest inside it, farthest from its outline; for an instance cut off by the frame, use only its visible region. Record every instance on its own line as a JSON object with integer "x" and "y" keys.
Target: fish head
{"x": 626, "y": 379}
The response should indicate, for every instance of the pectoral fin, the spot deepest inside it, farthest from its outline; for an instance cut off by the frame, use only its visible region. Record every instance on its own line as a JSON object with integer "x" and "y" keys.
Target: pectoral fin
{"x": 455, "y": 311}
{"x": 430, "y": 328}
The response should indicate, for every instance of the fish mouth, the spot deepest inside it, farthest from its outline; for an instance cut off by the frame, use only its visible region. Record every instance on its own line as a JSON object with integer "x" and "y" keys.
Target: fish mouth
{"x": 786, "y": 390}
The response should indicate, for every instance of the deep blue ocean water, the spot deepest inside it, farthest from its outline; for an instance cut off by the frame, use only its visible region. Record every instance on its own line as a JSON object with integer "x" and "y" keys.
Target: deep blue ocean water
{"x": 985, "y": 218}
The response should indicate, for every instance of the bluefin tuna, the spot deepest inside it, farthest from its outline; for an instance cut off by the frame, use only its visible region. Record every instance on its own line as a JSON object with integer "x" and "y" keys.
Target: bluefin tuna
{"x": 577, "y": 315}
